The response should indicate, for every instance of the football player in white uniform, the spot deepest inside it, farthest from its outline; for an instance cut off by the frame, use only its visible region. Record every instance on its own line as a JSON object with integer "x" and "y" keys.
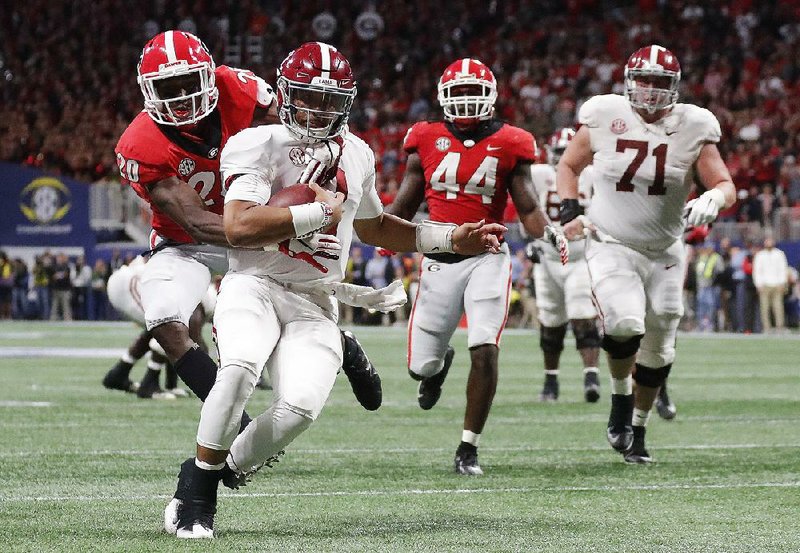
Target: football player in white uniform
{"x": 563, "y": 292}
{"x": 276, "y": 304}
{"x": 647, "y": 151}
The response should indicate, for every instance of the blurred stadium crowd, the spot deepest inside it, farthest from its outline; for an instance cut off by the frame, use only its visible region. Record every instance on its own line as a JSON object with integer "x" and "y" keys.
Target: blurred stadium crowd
{"x": 68, "y": 90}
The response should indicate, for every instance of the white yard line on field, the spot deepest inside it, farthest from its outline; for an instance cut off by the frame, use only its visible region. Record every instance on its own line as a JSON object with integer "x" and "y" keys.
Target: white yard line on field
{"x": 382, "y": 450}
{"x": 399, "y": 493}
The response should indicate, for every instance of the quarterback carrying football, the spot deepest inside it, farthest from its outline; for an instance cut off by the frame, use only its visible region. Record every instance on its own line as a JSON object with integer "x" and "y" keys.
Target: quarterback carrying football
{"x": 277, "y": 305}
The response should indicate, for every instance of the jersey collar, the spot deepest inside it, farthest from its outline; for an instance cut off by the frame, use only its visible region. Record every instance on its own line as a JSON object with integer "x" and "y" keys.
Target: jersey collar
{"x": 481, "y": 131}
{"x": 213, "y": 133}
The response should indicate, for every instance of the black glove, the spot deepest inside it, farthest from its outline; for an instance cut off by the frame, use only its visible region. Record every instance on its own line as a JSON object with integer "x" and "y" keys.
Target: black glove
{"x": 532, "y": 252}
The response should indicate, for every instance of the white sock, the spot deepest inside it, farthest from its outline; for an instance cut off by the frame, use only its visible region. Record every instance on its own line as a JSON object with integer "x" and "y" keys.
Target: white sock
{"x": 622, "y": 386}
{"x": 126, "y": 358}
{"x": 207, "y": 466}
{"x": 470, "y": 437}
{"x": 554, "y": 372}
{"x": 153, "y": 366}
{"x": 640, "y": 417}
{"x": 590, "y": 370}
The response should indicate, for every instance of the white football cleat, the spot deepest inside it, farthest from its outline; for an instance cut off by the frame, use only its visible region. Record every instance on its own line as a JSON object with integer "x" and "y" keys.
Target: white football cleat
{"x": 171, "y": 516}
{"x": 197, "y": 531}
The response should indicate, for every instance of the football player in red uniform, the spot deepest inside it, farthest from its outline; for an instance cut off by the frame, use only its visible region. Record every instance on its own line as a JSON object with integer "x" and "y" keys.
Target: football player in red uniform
{"x": 464, "y": 168}
{"x": 169, "y": 154}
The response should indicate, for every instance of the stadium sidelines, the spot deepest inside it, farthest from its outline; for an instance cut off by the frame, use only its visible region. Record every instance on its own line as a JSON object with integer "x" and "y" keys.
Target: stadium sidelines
{"x": 401, "y": 493}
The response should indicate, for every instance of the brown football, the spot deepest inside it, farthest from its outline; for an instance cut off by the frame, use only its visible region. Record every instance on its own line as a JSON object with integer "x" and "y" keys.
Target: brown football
{"x": 295, "y": 194}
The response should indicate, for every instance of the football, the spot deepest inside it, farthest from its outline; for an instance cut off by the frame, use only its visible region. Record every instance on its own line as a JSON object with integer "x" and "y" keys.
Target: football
{"x": 295, "y": 194}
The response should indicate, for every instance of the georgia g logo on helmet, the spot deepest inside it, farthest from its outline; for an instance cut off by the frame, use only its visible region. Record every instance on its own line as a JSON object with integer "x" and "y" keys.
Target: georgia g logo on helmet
{"x": 176, "y": 75}
{"x": 652, "y": 75}
{"x": 316, "y": 89}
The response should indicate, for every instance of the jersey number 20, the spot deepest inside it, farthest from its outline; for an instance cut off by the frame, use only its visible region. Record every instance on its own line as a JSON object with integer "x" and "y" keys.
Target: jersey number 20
{"x": 482, "y": 181}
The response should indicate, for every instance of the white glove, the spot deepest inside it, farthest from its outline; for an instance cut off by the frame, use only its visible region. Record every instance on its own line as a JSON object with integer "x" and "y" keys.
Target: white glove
{"x": 384, "y": 300}
{"x": 558, "y": 241}
{"x": 704, "y": 209}
{"x": 324, "y": 245}
{"x": 321, "y": 157}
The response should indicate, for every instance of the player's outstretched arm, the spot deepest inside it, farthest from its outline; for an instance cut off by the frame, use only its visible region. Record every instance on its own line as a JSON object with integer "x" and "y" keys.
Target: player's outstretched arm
{"x": 181, "y": 203}
{"x": 393, "y": 233}
{"x": 521, "y": 189}
{"x": 720, "y": 191}
{"x": 412, "y": 190}
{"x": 574, "y": 160}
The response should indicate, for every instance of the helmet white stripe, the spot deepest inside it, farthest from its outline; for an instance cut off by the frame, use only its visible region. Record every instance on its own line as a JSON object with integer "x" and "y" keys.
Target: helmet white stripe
{"x": 325, "y": 50}
{"x": 169, "y": 44}
{"x": 654, "y": 50}
{"x": 465, "y": 66}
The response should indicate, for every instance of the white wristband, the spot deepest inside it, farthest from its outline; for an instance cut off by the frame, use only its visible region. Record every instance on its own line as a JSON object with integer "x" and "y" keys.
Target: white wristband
{"x": 309, "y": 218}
{"x": 717, "y": 196}
{"x": 435, "y": 237}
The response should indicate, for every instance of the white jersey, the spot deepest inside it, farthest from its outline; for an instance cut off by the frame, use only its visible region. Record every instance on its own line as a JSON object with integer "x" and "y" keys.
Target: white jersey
{"x": 643, "y": 171}
{"x": 274, "y": 154}
{"x": 544, "y": 185}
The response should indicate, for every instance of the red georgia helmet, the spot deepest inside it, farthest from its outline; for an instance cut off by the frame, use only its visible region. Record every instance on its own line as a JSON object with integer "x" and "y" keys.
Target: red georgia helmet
{"x": 557, "y": 143}
{"x": 479, "y": 103}
{"x": 316, "y": 81}
{"x": 176, "y": 75}
{"x": 652, "y": 75}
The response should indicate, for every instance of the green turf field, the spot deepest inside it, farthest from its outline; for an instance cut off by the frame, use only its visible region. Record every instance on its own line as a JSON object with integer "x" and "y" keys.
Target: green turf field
{"x": 85, "y": 469}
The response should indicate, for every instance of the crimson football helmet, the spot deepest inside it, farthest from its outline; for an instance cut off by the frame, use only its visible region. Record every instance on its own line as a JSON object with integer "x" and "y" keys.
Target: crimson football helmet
{"x": 652, "y": 75}
{"x": 316, "y": 89}
{"x": 467, "y": 91}
{"x": 557, "y": 143}
{"x": 176, "y": 75}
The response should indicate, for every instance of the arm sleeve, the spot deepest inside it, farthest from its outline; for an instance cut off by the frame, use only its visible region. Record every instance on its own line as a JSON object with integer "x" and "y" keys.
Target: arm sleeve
{"x": 588, "y": 113}
{"x": 264, "y": 93}
{"x": 708, "y": 126}
{"x": 246, "y": 153}
{"x": 250, "y": 188}
{"x": 411, "y": 141}
{"x": 370, "y": 205}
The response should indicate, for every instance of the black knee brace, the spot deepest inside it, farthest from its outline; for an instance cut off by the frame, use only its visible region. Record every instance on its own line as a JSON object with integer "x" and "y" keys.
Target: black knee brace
{"x": 650, "y": 377}
{"x": 586, "y": 333}
{"x": 551, "y": 338}
{"x": 621, "y": 350}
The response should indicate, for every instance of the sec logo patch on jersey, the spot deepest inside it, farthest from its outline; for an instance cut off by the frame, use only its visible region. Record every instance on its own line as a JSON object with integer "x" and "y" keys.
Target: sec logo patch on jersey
{"x": 186, "y": 166}
{"x": 297, "y": 156}
{"x": 442, "y": 143}
{"x": 618, "y": 126}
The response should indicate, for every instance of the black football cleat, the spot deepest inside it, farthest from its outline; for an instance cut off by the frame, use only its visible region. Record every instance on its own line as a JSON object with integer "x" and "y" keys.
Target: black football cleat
{"x": 196, "y": 512}
{"x": 550, "y": 390}
{"x": 620, "y": 431}
{"x": 181, "y": 494}
{"x": 117, "y": 378}
{"x": 591, "y": 386}
{"x": 637, "y": 454}
{"x": 430, "y": 389}
{"x": 664, "y": 406}
{"x": 235, "y": 480}
{"x": 363, "y": 377}
{"x": 466, "y": 460}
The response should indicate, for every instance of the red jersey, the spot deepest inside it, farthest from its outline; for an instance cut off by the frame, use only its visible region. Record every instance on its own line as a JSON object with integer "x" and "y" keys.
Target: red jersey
{"x": 147, "y": 152}
{"x": 467, "y": 179}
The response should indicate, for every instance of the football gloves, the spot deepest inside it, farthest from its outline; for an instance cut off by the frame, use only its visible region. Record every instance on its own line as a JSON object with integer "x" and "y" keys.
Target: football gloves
{"x": 323, "y": 159}
{"x": 704, "y": 209}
